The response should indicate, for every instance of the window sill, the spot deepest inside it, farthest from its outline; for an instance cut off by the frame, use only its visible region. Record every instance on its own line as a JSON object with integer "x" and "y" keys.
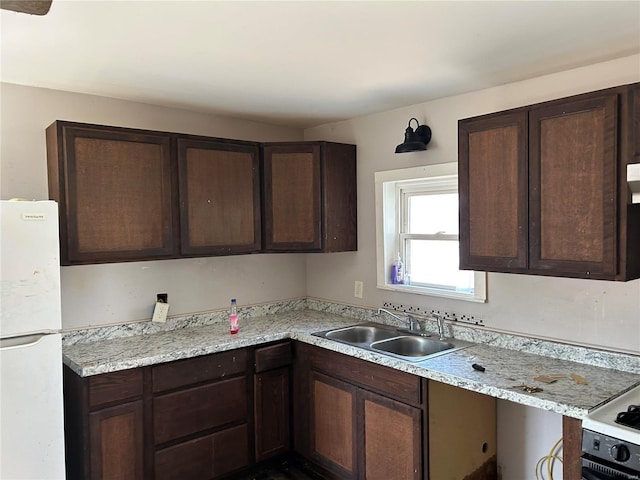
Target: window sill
{"x": 432, "y": 292}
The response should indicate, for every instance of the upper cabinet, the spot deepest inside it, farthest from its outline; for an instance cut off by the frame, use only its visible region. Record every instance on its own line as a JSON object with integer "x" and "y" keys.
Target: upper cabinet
{"x": 310, "y": 197}
{"x": 573, "y": 187}
{"x": 219, "y": 196}
{"x": 493, "y": 189}
{"x": 115, "y": 191}
{"x": 542, "y": 190}
{"x": 128, "y": 195}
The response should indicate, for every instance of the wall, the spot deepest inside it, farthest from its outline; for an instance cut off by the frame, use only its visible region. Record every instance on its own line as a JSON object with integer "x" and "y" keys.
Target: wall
{"x": 581, "y": 311}
{"x": 117, "y": 293}
{"x": 592, "y": 312}
{"x": 605, "y": 314}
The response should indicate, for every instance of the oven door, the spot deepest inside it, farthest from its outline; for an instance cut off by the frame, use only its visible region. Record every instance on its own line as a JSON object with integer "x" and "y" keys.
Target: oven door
{"x": 595, "y": 470}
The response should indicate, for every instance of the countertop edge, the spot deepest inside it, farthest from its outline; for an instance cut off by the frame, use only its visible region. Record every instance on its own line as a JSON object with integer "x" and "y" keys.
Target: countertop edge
{"x": 255, "y": 339}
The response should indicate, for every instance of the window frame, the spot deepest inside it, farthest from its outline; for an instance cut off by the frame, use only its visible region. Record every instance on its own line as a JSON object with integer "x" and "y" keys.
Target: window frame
{"x": 391, "y": 189}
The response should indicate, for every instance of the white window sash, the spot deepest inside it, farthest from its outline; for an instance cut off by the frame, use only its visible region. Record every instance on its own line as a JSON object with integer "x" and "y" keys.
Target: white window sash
{"x": 391, "y": 226}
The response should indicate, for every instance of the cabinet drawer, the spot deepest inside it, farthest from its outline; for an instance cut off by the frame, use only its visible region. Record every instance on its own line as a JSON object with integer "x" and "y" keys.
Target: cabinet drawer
{"x": 200, "y": 408}
{"x": 200, "y": 369}
{"x": 272, "y": 357}
{"x": 111, "y": 387}
{"x": 204, "y": 458}
{"x": 393, "y": 383}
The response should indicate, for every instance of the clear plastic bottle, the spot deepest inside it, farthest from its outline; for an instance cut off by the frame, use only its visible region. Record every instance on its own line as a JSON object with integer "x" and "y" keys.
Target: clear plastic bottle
{"x": 233, "y": 317}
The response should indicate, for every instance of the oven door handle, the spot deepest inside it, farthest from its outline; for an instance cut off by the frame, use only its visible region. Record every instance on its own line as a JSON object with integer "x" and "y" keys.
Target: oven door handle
{"x": 589, "y": 474}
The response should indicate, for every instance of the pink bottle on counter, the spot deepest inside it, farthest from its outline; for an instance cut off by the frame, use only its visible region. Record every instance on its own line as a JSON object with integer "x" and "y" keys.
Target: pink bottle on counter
{"x": 233, "y": 317}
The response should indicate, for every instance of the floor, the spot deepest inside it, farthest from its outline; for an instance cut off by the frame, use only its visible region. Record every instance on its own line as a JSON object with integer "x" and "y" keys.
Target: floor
{"x": 286, "y": 469}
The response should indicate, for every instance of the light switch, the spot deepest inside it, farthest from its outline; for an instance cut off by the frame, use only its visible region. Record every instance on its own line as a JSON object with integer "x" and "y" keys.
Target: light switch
{"x": 357, "y": 291}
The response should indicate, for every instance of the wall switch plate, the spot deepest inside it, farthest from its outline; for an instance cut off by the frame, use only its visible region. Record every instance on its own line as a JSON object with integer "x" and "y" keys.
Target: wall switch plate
{"x": 357, "y": 290}
{"x": 160, "y": 312}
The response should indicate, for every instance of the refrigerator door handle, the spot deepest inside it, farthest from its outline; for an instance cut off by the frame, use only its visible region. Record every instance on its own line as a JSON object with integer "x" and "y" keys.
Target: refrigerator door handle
{"x": 20, "y": 342}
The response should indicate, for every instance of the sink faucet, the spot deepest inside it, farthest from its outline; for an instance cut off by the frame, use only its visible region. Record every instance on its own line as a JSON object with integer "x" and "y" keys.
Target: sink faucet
{"x": 440, "y": 323}
{"x": 411, "y": 320}
{"x": 380, "y": 310}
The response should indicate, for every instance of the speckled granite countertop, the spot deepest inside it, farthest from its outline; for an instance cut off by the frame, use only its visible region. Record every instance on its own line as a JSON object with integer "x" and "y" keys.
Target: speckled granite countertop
{"x": 505, "y": 368}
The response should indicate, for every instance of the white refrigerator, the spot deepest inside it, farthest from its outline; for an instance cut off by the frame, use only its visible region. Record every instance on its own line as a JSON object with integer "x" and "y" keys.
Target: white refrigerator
{"x": 31, "y": 411}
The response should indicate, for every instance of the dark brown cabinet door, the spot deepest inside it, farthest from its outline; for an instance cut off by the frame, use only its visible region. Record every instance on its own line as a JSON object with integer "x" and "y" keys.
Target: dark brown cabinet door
{"x": 392, "y": 438}
{"x": 493, "y": 192}
{"x": 339, "y": 197}
{"x": 573, "y": 187}
{"x": 333, "y": 425}
{"x": 272, "y": 412}
{"x": 219, "y": 197}
{"x": 205, "y": 458}
{"x": 292, "y": 197}
{"x": 115, "y": 189}
{"x": 310, "y": 197}
{"x": 117, "y": 442}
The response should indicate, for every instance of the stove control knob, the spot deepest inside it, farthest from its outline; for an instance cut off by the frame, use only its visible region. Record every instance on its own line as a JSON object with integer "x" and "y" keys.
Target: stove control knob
{"x": 620, "y": 453}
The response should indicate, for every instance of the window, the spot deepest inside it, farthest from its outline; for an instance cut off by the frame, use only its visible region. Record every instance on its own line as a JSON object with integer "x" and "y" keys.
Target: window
{"x": 417, "y": 218}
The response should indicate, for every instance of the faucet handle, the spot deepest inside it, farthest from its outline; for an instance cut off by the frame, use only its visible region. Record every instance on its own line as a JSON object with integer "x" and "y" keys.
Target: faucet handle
{"x": 440, "y": 324}
{"x": 413, "y": 322}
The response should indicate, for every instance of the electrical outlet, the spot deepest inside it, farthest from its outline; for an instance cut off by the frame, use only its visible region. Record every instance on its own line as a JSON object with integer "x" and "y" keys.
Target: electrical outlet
{"x": 160, "y": 312}
{"x": 357, "y": 290}
{"x": 162, "y": 297}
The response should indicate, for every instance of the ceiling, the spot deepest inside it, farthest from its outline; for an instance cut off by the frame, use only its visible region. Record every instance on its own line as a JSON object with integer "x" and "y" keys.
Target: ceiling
{"x": 305, "y": 63}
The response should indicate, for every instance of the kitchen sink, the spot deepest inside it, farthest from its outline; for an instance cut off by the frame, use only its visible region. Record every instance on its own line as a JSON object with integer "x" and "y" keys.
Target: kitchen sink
{"x": 361, "y": 334}
{"x": 411, "y": 346}
{"x": 397, "y": 343}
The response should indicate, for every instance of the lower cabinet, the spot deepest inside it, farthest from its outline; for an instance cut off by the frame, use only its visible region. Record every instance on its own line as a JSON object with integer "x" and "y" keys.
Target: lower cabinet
{"x": 104, "y": 425}
{"x": 333, "y": 424}
{"x": 200, "y": 416}
{"x": 346, "y": 418}
{"x": 358, "y": 420}
{"x": 210, "y": 456}
{"x": 116, "y": 441}
{"x": 392, "y": 438}
{"x": 185, "y": 419}
{"x": 203, "y": 418}
{"x": 272, "y": 406}
{"x": 213, "y": 416}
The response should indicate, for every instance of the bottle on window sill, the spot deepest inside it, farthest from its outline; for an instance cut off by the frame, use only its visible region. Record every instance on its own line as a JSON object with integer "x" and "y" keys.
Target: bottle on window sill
{"x": 397, "y": 273}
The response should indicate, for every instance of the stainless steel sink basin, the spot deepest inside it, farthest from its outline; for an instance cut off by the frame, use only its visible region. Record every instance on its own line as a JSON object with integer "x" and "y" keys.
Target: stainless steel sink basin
{"x": 394, "y": 342}
{"x": 360, "y": 334}
{"x": 410, "y": 346}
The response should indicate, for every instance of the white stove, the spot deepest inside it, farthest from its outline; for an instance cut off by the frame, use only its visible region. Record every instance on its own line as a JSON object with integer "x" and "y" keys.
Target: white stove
{"x": 611, "y": 439}
{"x": 602, "y": 419}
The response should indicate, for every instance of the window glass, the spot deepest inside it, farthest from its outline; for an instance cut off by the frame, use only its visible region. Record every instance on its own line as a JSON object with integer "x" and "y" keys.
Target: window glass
{"x": 433, "y": 213}
{"x": 435, "y": 263}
